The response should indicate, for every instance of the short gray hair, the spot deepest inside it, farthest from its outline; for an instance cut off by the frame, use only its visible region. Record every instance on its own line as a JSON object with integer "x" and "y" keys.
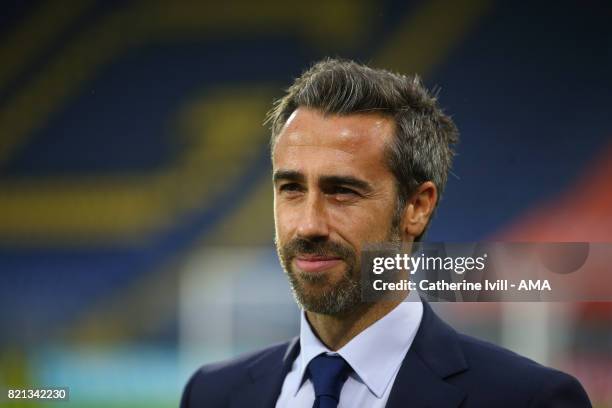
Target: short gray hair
{"x": 423, "y": 146}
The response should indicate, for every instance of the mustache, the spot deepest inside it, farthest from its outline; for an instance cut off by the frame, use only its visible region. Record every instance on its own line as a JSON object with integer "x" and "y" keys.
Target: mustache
{"x": 298, "y": 246}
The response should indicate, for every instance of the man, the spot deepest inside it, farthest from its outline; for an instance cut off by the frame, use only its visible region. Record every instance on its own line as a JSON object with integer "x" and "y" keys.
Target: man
{"x": 361, "y": 156}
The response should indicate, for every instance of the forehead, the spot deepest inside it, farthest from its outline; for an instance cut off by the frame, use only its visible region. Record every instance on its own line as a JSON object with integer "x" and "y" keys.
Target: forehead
{"x": 357, "y": 140}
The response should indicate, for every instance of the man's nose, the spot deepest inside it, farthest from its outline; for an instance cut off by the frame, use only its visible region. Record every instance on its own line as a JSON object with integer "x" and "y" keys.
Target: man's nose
{"x": 313, "y": 223}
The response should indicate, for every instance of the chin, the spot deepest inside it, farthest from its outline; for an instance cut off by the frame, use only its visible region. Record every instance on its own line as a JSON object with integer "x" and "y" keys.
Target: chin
{"x": 328, "y": 277}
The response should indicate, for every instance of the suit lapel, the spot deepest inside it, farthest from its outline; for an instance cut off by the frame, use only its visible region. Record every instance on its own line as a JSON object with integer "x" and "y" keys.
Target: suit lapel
{"x": 416, "y": 386}
{"x": 265, "y": 379}
{"x": 435, "y": 354}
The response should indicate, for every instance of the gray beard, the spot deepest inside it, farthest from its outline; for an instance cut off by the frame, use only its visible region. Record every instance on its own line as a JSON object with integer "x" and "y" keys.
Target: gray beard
{"x": 344, "y": 296}
{"x": 335, "y": 300}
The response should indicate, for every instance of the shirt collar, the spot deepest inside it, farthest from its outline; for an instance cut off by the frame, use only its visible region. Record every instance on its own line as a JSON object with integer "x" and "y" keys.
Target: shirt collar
{"x": 376, "y": 353}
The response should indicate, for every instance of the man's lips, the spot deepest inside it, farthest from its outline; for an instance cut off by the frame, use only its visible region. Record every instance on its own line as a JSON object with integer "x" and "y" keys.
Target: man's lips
{"x": 316, "y": 263}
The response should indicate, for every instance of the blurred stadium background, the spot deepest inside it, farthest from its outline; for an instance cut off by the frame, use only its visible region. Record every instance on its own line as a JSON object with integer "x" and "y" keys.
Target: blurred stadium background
{"x": 135, "y": 198}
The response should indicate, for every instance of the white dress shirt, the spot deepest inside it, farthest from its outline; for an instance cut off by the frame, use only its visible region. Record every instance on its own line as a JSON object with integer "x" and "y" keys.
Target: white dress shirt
{"x": 375, "y": 355}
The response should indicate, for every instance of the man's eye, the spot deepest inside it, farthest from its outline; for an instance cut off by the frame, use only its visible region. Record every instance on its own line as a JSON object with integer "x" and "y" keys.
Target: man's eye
{"x": 290, "y": 187}
{"x": 343, "y": 191}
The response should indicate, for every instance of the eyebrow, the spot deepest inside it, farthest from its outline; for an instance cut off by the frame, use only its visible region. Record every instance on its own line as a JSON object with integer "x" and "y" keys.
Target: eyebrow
{"x": 288, "y": 175}
{"x": 350, "y": 181}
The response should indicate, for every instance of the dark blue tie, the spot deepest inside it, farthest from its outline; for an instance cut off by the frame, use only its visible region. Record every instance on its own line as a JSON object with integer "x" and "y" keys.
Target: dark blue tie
{"x": 328, "y": 374}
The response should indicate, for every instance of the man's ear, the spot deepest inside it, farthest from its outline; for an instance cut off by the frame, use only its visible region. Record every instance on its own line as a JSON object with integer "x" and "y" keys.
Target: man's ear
{"x": 419, "y": 209}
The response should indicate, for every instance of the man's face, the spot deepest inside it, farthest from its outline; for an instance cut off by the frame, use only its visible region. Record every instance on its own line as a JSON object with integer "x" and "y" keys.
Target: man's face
{"x": 333, "y": 194}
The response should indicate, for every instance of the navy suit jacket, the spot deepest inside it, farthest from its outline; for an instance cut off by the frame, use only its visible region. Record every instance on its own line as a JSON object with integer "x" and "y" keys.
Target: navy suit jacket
{"x": 442, "y": 369}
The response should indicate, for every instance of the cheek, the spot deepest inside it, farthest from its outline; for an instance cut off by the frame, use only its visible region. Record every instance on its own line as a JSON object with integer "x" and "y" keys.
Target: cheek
{"x": 359, "y": 225}
{"x": 283, "y": 219}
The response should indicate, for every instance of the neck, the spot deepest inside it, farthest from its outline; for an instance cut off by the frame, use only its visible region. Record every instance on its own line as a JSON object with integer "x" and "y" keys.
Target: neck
{"x": 337, "y": 330}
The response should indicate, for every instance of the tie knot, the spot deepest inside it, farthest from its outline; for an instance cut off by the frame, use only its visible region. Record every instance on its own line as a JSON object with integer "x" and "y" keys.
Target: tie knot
{"x": 328, "y": 374}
